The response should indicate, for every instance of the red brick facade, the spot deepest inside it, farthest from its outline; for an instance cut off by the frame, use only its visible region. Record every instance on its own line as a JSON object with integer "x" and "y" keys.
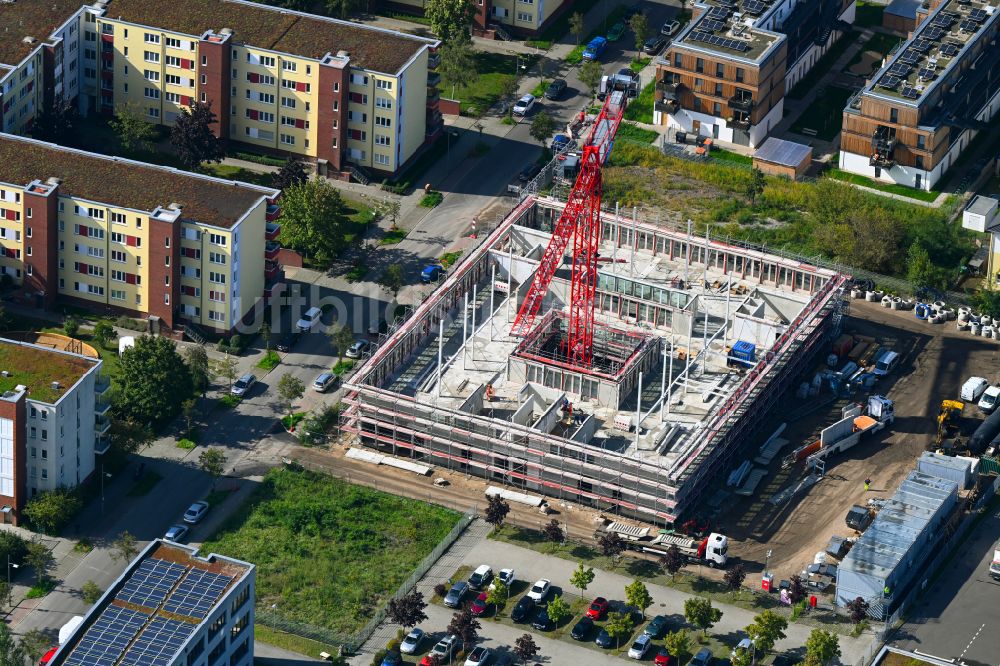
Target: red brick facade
{"x": 15, "y": 410}
{"x": 214, "y": 79}
{"x": 41, "y": 269}
{"x": 331, "y": 133}
{"x": 164, "y": 269}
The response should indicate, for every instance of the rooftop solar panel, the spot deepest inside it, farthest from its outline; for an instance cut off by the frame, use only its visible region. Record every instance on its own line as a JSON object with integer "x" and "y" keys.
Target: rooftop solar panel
{"x": 754, "y": 6}
{"x": 900, "y": 69}
{"x": 934, "y": 33}
{"x": 978, "y": 15}
{"x": 911, "y": 93}
{"x": 158, "y": 643}
{"x": 197, "y": 593}
{"x": 909, "y": 57}
{"x": 720, "y": 13}
{"x": 107, "y": 638}
{"x": 943, "y": 20}
{"x": 922, "y": 45}
{"x": 927, "y": 73}
{"x": 711, "y": 25}
{"x": 950, "y": 49}
{"x": 149, "y": 584}
{"x": 890, "y": 82}
{"x": 969, "y": 26}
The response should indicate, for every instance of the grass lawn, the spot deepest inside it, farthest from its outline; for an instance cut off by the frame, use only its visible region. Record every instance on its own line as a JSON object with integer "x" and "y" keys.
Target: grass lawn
{"x": 361, "y": 215}
{"x": 357, "y": 273}
{"x": 825, "y": 114}
{"x": 484, "y": 92}
{"x": 575, "y": 57}
{"x": 630, "y": 132}
{"x": 269, "y": 361}
{"x": 230, "y": 172}
{"x": 449, "y": 258}
{"x": 879, "y": 42}
{"x": 292, "y": 420}
{"x": 392, "y": 237}
{"x": 145, "y": 484}
{"x": 329, "y": 553}
{"x": 819, "y": 70}
{"x": 303, "y": 646}
{"x": 640, "y": 109}
{"x": 39, "y": 590}
{"x": 639, "y": 64}
{"x": 868, "y": 15}
{"x": 892, "y": 188}
{"x": 728, "y": 156}
{"x": 186, "y": 444}
{"x": 229, "y": 400}
{"x": 431, "y": 200}
{"x": 341, "y": 367}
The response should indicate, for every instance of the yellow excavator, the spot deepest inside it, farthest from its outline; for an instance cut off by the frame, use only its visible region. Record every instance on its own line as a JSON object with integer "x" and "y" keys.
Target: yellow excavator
{"x": 947, "y": 420}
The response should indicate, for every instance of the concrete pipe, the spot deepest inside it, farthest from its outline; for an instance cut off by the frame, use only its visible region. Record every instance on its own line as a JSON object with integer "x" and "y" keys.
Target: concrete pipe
{"x": 974, "y": 327}
{"x": 949, "y": 313}
{"x": 887, "y": 301}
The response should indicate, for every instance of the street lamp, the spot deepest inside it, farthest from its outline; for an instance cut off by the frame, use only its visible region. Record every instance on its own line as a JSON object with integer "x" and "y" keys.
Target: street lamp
{"x": 102, "y": 486}
{"x": 767, "y": 559}
{"x": 9, "y": 565}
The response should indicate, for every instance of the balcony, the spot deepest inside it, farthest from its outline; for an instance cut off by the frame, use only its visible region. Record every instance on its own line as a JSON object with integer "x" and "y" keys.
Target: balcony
{"x": 101, "y": 407}
{"x": 101, "y": 425}
{"x": 101, "y": 445}
{"x": 433, "y": 60}
{"x": 108, "y": 75}
{"x": 433, "y": 79}
{"x": 108, "y": 39}
{"x": 667, "y": 86}
{"x": 272, "y": 231}
{"x": 741, "y": 103}
{"x": 273, "y": 287}
{"x": 102, "y": 385}
{"x": 433, "y": 97}
{"x": 883, "y": 145}
{"x": 666, "y": 106}
{"x": 272, "y": 269}
{"x": 739, "y": 123}
{"x": 273, "y": 213}
{"x": 434, "y": 117}
{"x": 271, "y": 249}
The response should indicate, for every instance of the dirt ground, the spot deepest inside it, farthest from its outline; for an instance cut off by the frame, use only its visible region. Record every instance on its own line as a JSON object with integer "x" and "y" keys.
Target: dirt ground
{"x": 937, "y": 359}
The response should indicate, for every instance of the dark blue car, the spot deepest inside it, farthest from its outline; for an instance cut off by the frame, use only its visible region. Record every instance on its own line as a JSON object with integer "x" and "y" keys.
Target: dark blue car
{"x": 595, "y": 48}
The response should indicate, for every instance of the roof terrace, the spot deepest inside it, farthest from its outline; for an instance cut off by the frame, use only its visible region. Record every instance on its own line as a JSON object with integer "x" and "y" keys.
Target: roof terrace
{"x": 40, "y": 369}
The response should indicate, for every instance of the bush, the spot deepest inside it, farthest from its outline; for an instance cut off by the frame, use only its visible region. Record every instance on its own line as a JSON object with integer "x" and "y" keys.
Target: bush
{"x": 13, "y": 546}
{"x": 431, "y": 200}
{"x": 49, "y": 511}
{"x": 186, "y": 444}
{"x": 256, "y": 158}
{"x": 379, "y": 657}
{"x": 401, "y": 188}
{"x": 131, "y": 324}
{"x": 91, "y": 592}
{"x": 441, "y": 590}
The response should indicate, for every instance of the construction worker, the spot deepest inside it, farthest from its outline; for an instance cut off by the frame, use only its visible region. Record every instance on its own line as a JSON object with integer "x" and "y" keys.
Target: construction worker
{"x": 868, "y": 483}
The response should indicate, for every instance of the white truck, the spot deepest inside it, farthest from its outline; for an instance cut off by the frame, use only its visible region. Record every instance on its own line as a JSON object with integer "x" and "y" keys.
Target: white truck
{"x": 995, "y": 565}
{"x": 848, "y": 431}
{"x": 712, "y": 550}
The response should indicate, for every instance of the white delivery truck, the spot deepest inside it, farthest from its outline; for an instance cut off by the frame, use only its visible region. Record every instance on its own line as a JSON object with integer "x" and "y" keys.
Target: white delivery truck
{"x": 995, "y": 565}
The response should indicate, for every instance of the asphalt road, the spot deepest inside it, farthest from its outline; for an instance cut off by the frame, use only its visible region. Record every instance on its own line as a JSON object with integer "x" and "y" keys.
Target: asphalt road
{"x": 959, "y": 617}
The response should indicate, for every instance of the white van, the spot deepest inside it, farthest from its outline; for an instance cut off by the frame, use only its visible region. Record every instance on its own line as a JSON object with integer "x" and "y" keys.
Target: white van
{"x": 886, "y": 363}
{"x": 990, "y": 400}
{"x": 973, "y": 388}
{"x": 309, "y": 320}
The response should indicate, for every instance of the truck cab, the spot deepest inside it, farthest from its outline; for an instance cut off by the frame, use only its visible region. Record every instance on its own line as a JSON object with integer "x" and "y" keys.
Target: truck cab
{"x": 714, "y": 550}
{"x": 995, "y": 565}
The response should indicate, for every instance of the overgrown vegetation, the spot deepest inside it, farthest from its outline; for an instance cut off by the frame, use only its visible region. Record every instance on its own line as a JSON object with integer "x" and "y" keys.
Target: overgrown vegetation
{"x": 825, "y": 115}
{"x": 485, "y": 90}
{"x": 640, "y": 109}
{"x": 329, "y": 553}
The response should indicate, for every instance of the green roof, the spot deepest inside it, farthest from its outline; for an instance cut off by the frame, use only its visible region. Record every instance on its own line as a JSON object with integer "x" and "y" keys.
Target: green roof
{"x": 37, "y": 367}
{"x": 24, "y": 18}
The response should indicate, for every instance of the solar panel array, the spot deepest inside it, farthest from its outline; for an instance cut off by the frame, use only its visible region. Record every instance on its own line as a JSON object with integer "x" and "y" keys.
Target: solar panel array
{"x": 900, "y": 69}
{"x": 969, "y": 25}
{"x": 754, "y": 6}
{"x": 197, "y": 593}
{"x": 911, "y": 93}
{"x": 107, "y": 638}
{"x": 890, "y": 82}
{"x": 934, "y": 33}
{"x": 978, "y": 15}
{"x": 950, "y": 49}
{"x": 909, "y": 57}
{"x": 943, "y": 20}
{"x": 922, "y": 45}
{"x": 718, "y": 13}
{"x": 150, "y": 583}
{"x": 158, "y": 643}
{"x": 927, "y": 73}
{"x": 716, "y": 40}
{"x": 711, "y": 25}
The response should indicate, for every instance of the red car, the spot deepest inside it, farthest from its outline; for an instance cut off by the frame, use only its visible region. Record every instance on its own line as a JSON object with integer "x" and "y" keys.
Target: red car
{"x": 598, "y": 608}
{"x": 479, "y": 605}
{"x": 663, "y": 658}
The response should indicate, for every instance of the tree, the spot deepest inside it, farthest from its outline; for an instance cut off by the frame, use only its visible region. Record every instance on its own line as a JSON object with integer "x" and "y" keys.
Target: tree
{"x": 921, "y": 270}
{"x": 576, "y": 26}
{"x": 640, "y": 28}
{"x": 508, "y": 90}
{"x": 755, "y": 186}
{"x": 265, "y": 335}
{"x": 189, "y": 408}
{"x": 56, "y": 124}
{"x": 227, "y": 369}
{"x": 407, "y": 610}
{"x": 618, "y": 626}
{"x": 858, "y": 610}
{"x": 6, "y": 594}
{"x": 525, "y": 648}
{"x": 341, "y": 337}
{"x": 700, "y": 612}
{"x": 678, "y": 643}
{"x": 35, "y": 644}
{"x": 342, "y": 8}
{"x": 796, "y": 589}
{"x": 393, "y": 278}
{"x": 497, "y": 594}
{"x": 987, "y": 301}
{"x": 735, "y": 576}
{"x": 91, "y": 592}
{"x": 39, "y": 558}
{"x": 10, "y": 651}
{"x": 104, "y": 333}
{"x": 766, "y": 629}
{"x": 496, "y": 511}
{"x": 637, "y": 595}
{"x": 451, "y": 20}
{"x": 672, "y": 560}
{"x": 199, "y": 367}
{"x": 742, "y": 657}
{"x": 582, "y": 577}
{"x": 290, "y": 389}
{"x": 292, "y": 172}
{"x": 590, "y": 75}
{"x": 822, "y": 647}
{"x": 49, "y": 511}
{"x": 314, "y": 220}
{"x": 192, "y": 137}
{"x": 127, "y": 437}
{"x": 553, "y": 531}
{"x": 213, "y": 461}
{"x": 558, "y": 610}
{"x": 125, "y": 547}
{"x": 612, "y": 546}
{"x": 71, "y": 326}
{"x": 464, "y": 625}
{"x": 134, "y": 133}
{"x": 542, "y": 127}
{"x": 458, "y": 65}
{"x": 153, "y": 381}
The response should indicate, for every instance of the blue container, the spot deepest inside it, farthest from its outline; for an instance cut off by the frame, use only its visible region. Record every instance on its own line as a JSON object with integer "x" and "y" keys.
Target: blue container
{"x": 744, "y": 353}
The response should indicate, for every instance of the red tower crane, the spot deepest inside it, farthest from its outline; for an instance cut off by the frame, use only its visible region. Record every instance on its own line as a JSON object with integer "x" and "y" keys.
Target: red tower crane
{"x": 581, "y": 222}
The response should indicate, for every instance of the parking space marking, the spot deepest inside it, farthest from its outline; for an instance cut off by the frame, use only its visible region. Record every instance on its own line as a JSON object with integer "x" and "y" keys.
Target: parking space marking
{"x": 974, "y": 637}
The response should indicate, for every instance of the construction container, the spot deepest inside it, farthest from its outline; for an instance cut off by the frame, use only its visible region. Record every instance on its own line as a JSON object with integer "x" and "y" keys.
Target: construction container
{"x": 745, "y": 353}
{"x": 843, "y": 345}
{"x": 959, "y": 469}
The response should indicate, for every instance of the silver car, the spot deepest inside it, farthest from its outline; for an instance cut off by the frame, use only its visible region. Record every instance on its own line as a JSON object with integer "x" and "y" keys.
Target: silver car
{"x": 454, "y": 597}
{"x": 242, "y": 385}
{"x": 195, "y": 513}
{"x": 324, "y": 382}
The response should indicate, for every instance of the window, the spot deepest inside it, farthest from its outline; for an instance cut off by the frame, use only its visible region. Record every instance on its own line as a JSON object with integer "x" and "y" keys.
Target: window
{"x": 383, "y": 102}
{"x": 265, "y": 117}
{"x": 287, "y": 139}
{"x": 166, "y": 299}
{"x": 218, "y": 278}
{"x": 172, "y": 97}
{"x": 287, "y": 122}
{"x": 217, "y": 296}
{"x": 739, "y": 74}
{"x": 45, "y": 437}
{"x": 216, "y": 257}
{"x": 118, "y": 294}
{"x": 719, "y": 70}
{"x": 893, "y": 115}
{"x": 174, "y": 80}
{"x": 718, "y": 90}
{"x": 919, "y": 162}
{"x": 173, "y": 42}
{"x": 699, "y": 65}
{"x": 921, "y": 141}
{"x": 359, "y": 79}
{"x": 336, "y": 86}
{"x": 151, "y": 75}
{"x": 288, "y": 102}
{"x": 118, "y": 255}
{"x": 151, "y": 56}
{"x": 217, "y": 239}
{"x": 288, "y": 65}
{"x": 154, "y": 112}
{"x": 716, "y": 109}
{"x": 382, "y": 140}
{"x": 382, "y": 121}
{"x": 383, "y": 85}
{"x": 381, "y": 159}
{"x": 152, "y": 93}
{"x": 150, "y": 38}
{"x": 173, "y": 61}
{"x": 216, "y": 316}
{"x": 524, "y": 17}
{"x": 118, "y": 276}
{"x": 117, "y": 218}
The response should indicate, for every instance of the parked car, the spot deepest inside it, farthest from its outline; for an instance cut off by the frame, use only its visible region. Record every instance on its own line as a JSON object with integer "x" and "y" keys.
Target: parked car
{"x": 595, "y": 48}
{"x": 524, "y": 105}
{"x": 540, "y": 589}
{"x": 663, "y": 658}
{"x": 242, "y": 385}
{"x": 541, "y": 620}
{"x": 670, "y": 27}
{"x": 392, "y": 659}
{"x": 288, "y": 341}
{"x": 480, "y": 656}
{"x": 522, "y": 609}
{"x": 555, "y": 89}
{"x": 195, "y": 513}
{"x": 324, "y": 382}
{"x": 640, "y": 647}
{"x": 616, "y": 32}
{"x": 598, "y": 608}
{"x": 479, "y": 605}
{"x": 431, "y": 273}
{"x": 560, "y": 141}
{"x": 604, "y": 639}
{"x": 657, "y": 626}
{"x": 446, "y": 647}
{"x": 654, "y": 45}
{"x": 454, "y": 597}
{"x": 745, "y": 644}
{"x": 505, "y": 576}
{"x": 411, "y": 644}
{"x": 990, "y": 399}
{"x": 703, "y": 658}
{"x": 529, "y": 172}
{"x": 480, "y": 577}
{"x": 309, "y": 320}
{"x": 177, "y": 533}
{"x": 358, "y": 349}
{"x": 582, "y": 629}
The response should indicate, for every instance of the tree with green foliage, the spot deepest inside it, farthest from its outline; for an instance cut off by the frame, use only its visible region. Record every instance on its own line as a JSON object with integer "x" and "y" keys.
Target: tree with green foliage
{"x": 700, "y": 612}
{"x": 341, "y": 338}
{"x": 451, "y": 20}
{"x": 542, "y": 126}
{"x": 192, "y": 137}
{"x": 987, "y": 301}
{"x": 199, "y": 367}
{"x": 742, "y": 657}
{"x": 822, "y": 647}
{"x": 227, "y": 369}
{"x": 558, "y": 610}
{"x": 35, "y": 644}
{"x": 153, "y": 381}
{"x": 213, "y": 462}
{"x": 508, "y": 90}
{"x": 6, "y": 594}
{"x": 921, "y": 271}
{"x": 127, "y": 436}
{"x": 755, "y": 185}
{"x": 40, "y": 559}
{"x": 497, "y": 594}
{"x": 576, "y": 27}
{"x": 189, "y": 409}
{"x": 56, "y": 123}
{"x": 640, "y": 28}
{"x": 618, "y": 626}
{"x": 71, "y": 326}
{"x": 292, "y": 172}
{"x": 314, "y": 220}
{"x": 638, "y": 596}
{"x": 767, "y": 629}
{"x": 582, "y": 577}
{"x": 678, "y": 643}
{"x": 104, "y": 333}
{"x": 125, "y": 547}
{"x": 91, "y": 592}
{"x": 49, "y": 511}
{"x": 496, "y": 511}
{"x": 10, "y": 651}
{"x": 393, "y": 278}
{"x": 134, "y": 133}
{"x": 290, "y": 389}
{"x": 265, "y": 335}
{"x": 590, "y": 75}
{"x": 458, "y": 65}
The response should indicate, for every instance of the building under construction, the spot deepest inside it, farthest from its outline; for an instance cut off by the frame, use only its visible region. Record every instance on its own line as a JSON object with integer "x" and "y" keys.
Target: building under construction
{"x": 665, "y": 402}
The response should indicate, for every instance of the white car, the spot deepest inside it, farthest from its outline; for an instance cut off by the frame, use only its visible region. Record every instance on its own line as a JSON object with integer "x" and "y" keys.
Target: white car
{"x": 177, "y": 533}
{"x": 446, "y": 647}
{"x": 324, "y": 381}
{"x": 640, "y": 647}
{"x": 505, "y": 576}
{"x": 309, "y": 320}
{"x": 480, "y": 656}
{"x": 195, "y": 513}
{"x": 523, "y": 106}
{"x": 539, "y": 590}
{"x": 242, "y": 385}
{"x": 669, "y": 28}
{"x": 990, "y": 399}
{"x": 412, "y": 641}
